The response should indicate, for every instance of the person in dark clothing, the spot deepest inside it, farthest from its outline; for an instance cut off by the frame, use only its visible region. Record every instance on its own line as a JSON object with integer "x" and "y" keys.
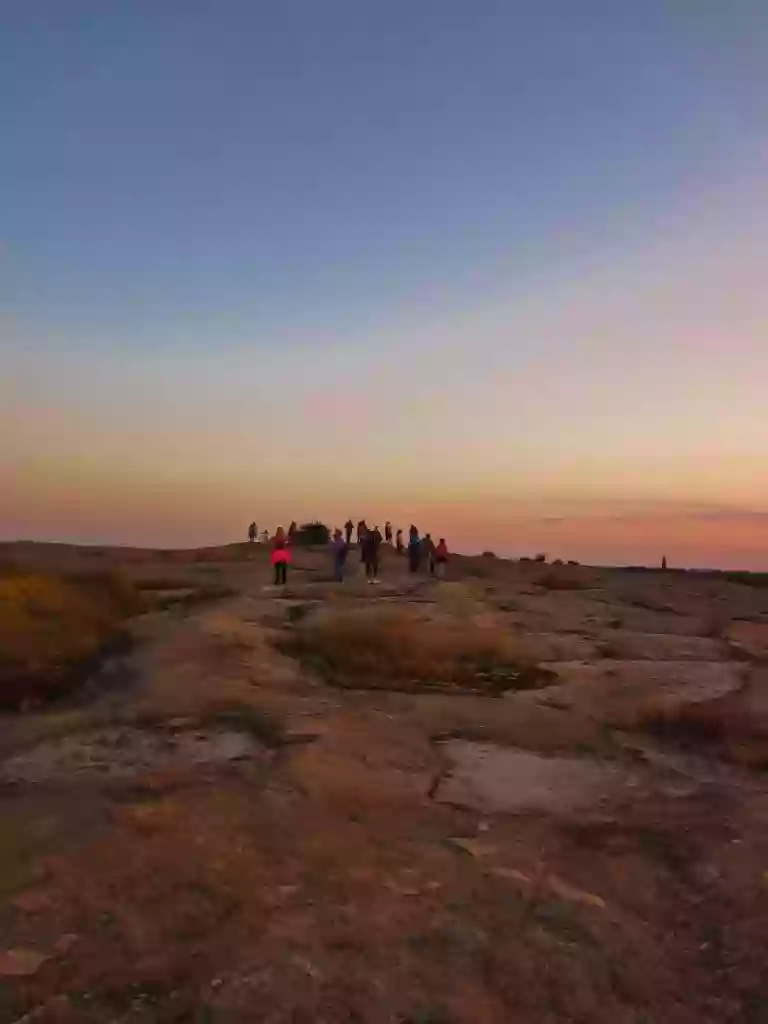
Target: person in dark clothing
{"x": 252, "y": 531}
{"x": 414, "y": 550}
{"x": 371, "y": 545}
{"x": 348, "y": 528}
{"x": 429, "y": 551}
{"x": 339, "y": 548}
{"x": 292, "y": 530}
{"x": 362, "y": 533}
{"x": 399, "y": 542}
{"x": 388, "y": 532}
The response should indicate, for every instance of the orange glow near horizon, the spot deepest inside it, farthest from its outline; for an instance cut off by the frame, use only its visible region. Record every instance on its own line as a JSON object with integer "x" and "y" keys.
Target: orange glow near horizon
{"x": 613, "y": 416}
{"x": 183, "y": 515}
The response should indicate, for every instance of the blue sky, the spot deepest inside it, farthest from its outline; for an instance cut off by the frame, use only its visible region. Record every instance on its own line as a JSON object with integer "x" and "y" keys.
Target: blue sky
{"x": 237, "y": 220}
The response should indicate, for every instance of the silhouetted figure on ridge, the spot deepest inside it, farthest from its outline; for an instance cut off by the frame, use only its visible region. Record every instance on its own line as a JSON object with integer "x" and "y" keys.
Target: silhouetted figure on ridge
{"x": 370, "y": 548}
{"x": 339, "y": 547}
{"x": 429, "y": 552}
{"x": 348, "y": 528}
{"x": 414, "y": 550}
{"x": 252, "y": 531}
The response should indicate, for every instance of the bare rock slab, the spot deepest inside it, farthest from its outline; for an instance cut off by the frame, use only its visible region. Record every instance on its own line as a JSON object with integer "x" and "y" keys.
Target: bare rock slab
{"x": 495, "y": 779}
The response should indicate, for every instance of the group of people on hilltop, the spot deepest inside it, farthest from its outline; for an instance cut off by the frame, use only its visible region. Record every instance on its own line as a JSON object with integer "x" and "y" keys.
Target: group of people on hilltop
{"x": 419, "y": 550}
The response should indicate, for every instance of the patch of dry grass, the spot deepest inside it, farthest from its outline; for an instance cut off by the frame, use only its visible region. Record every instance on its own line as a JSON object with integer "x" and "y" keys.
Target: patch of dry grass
{"x": 397, "y": 650}
{"x": 51, "y": 627}
{"x": 562, "y": 577}
{"x": 722, "y": 727}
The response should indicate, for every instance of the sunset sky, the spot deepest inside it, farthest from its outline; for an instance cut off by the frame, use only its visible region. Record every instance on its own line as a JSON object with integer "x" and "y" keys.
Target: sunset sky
{"x": 496, "y": 267}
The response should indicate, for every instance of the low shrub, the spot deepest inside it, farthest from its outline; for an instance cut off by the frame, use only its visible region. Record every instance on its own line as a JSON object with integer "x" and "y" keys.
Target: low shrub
{"x": 312, "y": 534}
{"x": 722, "y": 727}
{"x": 560, "y": 578}
{"x": 396, "y": 650}
{"x": 53, "y": 627}
{"x": 747, "y": 579}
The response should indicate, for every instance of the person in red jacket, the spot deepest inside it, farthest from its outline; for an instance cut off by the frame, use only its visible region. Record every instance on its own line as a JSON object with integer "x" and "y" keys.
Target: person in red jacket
{"x": 280, "y": 557}
{"x": 441, "y": 558}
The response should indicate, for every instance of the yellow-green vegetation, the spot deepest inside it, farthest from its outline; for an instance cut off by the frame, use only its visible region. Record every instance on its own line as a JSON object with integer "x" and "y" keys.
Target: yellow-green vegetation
{"x": 397, "y": 650}
{"x": 52, "y": 627}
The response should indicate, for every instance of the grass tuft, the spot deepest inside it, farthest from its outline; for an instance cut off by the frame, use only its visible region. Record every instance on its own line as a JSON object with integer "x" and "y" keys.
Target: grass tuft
{"x": 722, "y": 727}
{"x": 395, "y": 649}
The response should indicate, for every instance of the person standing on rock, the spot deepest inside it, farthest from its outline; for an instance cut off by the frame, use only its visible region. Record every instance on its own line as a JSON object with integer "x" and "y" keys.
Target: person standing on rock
{"x": 348, "y": 528}
{"x": 429, "y": 551}
{"x": 371, "y": 546}
{"x": 280, "y": 557}
{"x": 399, "y": 542}
{"x": 339, "y": 548}
{"x": 388, "y": 532}
{"x": 252, "y": 531}
{"x": 362, "y": 533}
{"x": 414, "y": 550}
{"x": 441, "y": 559}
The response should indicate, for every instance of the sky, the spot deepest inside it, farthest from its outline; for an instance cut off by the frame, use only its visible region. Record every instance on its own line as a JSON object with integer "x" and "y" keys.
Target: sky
{"x": 494, "y": 267}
